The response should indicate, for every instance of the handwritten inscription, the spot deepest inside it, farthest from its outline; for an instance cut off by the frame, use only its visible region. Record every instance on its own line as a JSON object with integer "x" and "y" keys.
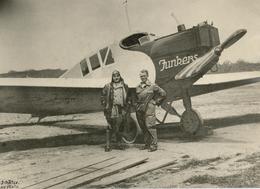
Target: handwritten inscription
{"x": 177, "y": 61}
{"x": 8, "y": 184}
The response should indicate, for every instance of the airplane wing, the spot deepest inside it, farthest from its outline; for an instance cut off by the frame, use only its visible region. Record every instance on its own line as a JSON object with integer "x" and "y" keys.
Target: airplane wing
{"x": 56, "y": 96}
{"x": 44, "y": 97}
{"x": 216, "y": 82}
{"x": 54, "y": 82}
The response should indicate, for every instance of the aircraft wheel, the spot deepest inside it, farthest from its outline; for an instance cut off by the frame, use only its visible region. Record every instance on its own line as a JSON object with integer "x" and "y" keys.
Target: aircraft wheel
{"x": 191, "y": 121}
{"x": 131, "y": 131}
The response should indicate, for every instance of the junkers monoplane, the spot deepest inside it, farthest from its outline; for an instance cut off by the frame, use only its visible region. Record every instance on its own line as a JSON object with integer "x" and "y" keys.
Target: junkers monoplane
{"x": 175, "y": 62}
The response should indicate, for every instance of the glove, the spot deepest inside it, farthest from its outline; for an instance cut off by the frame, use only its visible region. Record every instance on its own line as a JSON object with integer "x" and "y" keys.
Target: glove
{"x": 158, "y": 102}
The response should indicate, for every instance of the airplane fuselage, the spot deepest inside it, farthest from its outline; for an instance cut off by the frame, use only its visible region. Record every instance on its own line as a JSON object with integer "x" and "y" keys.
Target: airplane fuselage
{"x": 171, "y": 53}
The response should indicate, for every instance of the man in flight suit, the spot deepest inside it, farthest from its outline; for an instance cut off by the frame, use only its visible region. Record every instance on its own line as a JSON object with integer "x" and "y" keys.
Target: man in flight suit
{"x": 115, "y": 100}
{"x": 148, "y": 96}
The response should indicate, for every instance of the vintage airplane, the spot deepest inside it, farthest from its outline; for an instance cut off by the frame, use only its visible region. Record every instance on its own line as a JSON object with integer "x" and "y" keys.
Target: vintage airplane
{"x": 175, "y": 62}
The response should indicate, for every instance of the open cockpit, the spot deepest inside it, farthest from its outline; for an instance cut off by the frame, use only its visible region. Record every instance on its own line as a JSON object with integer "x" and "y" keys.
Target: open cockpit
{"x": 135, "y": 40}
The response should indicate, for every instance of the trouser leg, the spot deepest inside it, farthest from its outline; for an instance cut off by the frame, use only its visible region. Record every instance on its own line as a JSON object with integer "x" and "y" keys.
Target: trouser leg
{"x": 153, "y": 137}
{"x": 152, "y": 132}
{"x": 108, "y": 134}
{"x": 108, "y": 140}
{"x": 117, "y": 124}
{"x": 146, "y": 121}
{"x": 117, "y": 127}
{"x": 141, "y": 120}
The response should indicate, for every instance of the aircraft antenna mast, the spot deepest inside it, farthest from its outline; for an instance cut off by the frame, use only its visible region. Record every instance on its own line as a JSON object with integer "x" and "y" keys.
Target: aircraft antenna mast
{"x": 180, "y": 27}
{"x": 127, "y": 16}
{"x": 175, "y": 18}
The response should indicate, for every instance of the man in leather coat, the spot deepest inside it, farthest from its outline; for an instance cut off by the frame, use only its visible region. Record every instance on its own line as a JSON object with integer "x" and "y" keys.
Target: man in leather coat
{"x": 115, "y": 100}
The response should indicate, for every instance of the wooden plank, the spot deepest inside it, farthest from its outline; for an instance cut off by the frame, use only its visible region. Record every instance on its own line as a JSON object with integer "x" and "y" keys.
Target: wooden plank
{"x": 89, "y": 166}
{"x": 100, "y": 173}
{"x": 78, "y": 174}
{"x": 134, "y": 171}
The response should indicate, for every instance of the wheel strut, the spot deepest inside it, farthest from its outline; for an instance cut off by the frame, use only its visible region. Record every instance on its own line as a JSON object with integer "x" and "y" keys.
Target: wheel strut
{"x": 191, "y": 121}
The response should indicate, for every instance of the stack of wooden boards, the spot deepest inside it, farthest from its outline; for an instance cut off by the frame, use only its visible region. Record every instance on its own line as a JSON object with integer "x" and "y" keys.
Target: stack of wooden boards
{"x": 102, "y": 172}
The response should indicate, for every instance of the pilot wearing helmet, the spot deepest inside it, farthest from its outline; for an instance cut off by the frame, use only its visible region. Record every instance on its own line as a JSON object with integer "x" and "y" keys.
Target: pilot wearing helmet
{"x": 116, "y": 103}
{"x": 148, "y": 96}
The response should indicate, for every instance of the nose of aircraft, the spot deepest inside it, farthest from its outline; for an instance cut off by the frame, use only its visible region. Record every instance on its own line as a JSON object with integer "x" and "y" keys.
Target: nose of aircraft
{"x": 209, "y": 58}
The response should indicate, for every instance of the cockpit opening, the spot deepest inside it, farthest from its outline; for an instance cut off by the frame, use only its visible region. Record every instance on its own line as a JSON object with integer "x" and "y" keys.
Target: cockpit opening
{"x": 134, "y": 40}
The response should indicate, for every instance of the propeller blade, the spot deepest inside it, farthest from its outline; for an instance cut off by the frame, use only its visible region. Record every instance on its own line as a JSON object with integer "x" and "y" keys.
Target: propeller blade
{"x": 198, "y": 65}
{"x": 233, "y": 38}
{"x": 204, "y": 63}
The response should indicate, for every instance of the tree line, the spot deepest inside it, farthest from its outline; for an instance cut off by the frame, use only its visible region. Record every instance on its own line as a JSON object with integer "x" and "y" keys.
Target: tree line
{"x": 225, "y": 67}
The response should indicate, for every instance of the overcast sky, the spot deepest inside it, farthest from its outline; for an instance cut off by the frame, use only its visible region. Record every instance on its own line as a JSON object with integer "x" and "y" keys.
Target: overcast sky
{"x": 38, "y": 34}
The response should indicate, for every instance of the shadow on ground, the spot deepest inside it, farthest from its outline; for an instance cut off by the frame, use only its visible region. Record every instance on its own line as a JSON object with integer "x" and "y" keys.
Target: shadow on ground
{"x": 96, "y": 137}
{"x": 47, "y": 123}
{"x": 232, "y": 121}
{"x": 170, "y": 131}
{"x": 173, "y": 131}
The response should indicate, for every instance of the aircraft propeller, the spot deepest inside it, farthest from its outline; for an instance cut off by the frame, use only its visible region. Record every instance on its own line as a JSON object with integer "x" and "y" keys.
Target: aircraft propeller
{"x": 199, "y": 66}
{"x": 231, "y": 40}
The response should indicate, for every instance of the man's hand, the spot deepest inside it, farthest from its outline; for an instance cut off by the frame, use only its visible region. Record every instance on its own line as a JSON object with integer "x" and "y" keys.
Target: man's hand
{"x": 159, "y": 102}
{"x": 109, "y": 126}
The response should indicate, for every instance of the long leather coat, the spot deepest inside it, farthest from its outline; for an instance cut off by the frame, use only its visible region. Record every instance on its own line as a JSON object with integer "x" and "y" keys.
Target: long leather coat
{"x": 107, "y": 98}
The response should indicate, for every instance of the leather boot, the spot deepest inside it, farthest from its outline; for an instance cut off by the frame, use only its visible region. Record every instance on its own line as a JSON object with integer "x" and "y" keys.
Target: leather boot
{"x": 108, "y": 145}
{"x": 152, "y": 148}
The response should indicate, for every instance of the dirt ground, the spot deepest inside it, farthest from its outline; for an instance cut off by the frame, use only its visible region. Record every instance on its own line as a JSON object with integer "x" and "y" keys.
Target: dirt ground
{"x": 229, "y": 157}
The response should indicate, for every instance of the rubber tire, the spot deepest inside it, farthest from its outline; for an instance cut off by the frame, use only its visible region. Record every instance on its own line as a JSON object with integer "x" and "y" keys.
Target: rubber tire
{"x": 191, "y": 121}
{"x": 131, "y": 131}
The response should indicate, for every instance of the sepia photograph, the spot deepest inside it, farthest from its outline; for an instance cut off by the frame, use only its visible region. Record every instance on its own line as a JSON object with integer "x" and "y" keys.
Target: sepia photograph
{"x": 129, "y": 94}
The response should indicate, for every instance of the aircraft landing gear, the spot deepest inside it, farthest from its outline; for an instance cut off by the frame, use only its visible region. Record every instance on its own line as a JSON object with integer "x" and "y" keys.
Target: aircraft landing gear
{"x": 191, "y": 121}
